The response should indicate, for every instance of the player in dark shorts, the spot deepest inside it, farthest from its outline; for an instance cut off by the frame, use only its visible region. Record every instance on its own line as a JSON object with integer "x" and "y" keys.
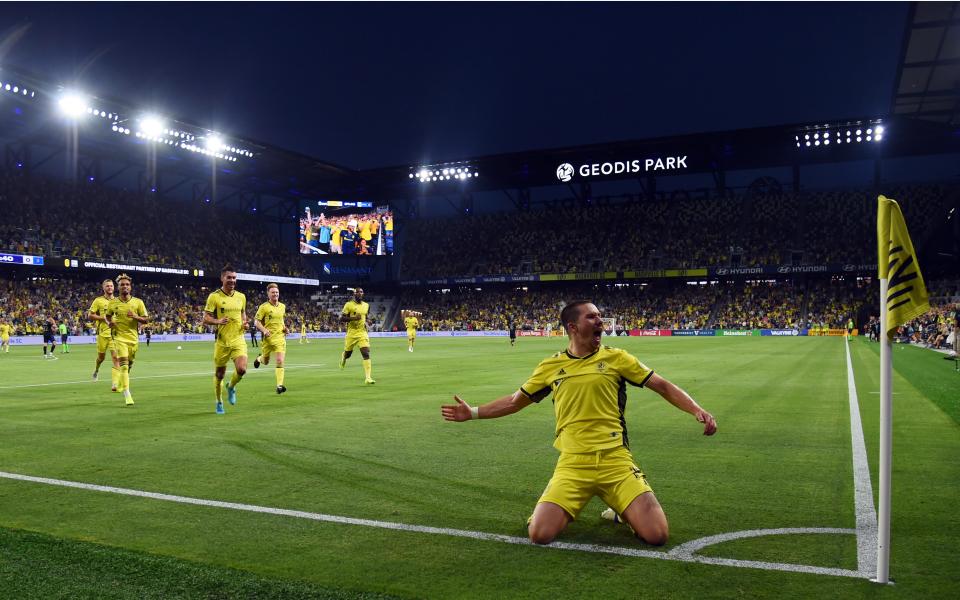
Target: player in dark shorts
{"x": 512, "y": 328}
{"x": 48, "y": 338}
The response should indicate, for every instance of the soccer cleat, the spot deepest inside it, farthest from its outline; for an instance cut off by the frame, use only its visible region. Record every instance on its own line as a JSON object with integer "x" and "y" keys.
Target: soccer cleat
{"x": 256, "y": 363}
{"x": 96, "y": 376}
{"x": 231, "y": 395}
{"x": 220, "y": 410}
{"x": 410, "y": 349}
{"x": 369, "y": 381}
{"x": 281, "y": 389}
{"x": 611, "y": 515}
{"x": 343, "y": 361}
{"x": 128, "y": 399}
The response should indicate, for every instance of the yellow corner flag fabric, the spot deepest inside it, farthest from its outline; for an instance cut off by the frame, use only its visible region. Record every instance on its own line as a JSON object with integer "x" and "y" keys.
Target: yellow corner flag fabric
{"x": 906, "y": 293}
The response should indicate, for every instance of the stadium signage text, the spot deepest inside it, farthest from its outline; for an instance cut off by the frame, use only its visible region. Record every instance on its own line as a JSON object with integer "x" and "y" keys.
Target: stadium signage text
{"x": 566, "y": 171}
{"x": 332, "y": 269}
{"x": 20, "y": 259}
{"x": 91, "y": 264}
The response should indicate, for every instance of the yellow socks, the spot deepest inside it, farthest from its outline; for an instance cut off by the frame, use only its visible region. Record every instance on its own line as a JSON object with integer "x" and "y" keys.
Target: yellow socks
{"x": 279, "y": 373}
{"x": 115, "y": 377}
{"x": 124, "y": 383}
{"x": 235, "y": 379}
{"x": 367, "y": 367}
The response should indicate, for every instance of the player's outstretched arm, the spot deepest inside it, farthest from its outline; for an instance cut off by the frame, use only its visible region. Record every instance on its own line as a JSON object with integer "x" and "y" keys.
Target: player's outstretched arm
{"x": 501, "y": 407}
{"x": 682, "y": 400}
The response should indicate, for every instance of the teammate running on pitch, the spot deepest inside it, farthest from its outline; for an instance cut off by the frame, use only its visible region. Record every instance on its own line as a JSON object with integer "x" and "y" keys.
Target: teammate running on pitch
{"x": 125, "y": 314}
{"x": 270, "y": 320}
{"x": 5, "y": 330}
{"x": 97, "y": 313}
{"x": 227, "y": 309}
{"x": 303, "y": 331}
{"x": 355, "y": 316}
{"x": 411, "y": 322}
{"x": 588, "y": 382}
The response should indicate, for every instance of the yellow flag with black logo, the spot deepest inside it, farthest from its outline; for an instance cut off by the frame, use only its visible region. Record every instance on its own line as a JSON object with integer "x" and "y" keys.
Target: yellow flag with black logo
{"x": 906, "y": 293}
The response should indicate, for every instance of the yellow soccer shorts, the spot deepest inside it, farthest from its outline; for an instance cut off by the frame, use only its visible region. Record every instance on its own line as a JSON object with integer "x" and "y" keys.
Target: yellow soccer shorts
{"x": 4, "y": 339}
{"x": 273, "y": 344}
{"x": 103, "y": 344}
{"x": 224, "y": 353}
{"x": 411, "y": 334}
{"x": 126, "y": 350}
{"x": 354, "y": 340}
{"x": 610, "y": 474}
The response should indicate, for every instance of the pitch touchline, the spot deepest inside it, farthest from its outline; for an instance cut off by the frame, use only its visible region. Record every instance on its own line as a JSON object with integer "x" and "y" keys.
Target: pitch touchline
{"x": 249, "y": 372}
{"x": 683, "y": 553}
{"x": 862, "y": 490}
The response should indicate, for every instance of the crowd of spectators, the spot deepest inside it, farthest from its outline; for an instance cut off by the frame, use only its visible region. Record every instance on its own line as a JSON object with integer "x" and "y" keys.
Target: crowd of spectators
{"x": 660, "y": 304}
{"x": 629, "y": 234}
{"x": 46, "y": 217}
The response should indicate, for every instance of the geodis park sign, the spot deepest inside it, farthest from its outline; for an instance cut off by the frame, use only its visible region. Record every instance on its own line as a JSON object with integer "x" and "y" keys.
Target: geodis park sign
{"x": 567, "y": 172}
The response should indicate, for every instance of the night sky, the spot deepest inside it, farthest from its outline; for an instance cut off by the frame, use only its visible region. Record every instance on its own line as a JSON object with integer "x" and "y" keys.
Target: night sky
{"x": 368, "y": 85}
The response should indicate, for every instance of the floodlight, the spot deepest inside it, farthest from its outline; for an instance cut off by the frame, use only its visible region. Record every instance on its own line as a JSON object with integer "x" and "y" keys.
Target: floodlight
{"x": 151, "y": 125}
{"x": 213, "y": 143}
{"x": 826, "y": 142}
{"x": 72, "y": 105}
{"x": 877, "y": 137}
{"x": 869, "y": 138}
{"x": 859, "y": 139}
{"x": 879, "y": 130}
{"x": 859, "y": 132}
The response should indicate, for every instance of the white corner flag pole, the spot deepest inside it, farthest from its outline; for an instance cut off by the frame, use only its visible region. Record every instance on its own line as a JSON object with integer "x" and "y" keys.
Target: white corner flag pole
{"x": 886, "y": 442}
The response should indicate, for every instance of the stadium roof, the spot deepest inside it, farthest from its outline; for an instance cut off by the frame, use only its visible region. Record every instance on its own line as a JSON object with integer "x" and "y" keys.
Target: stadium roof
{"x": 928, "y": 78}
{"x": 712, "y": 152}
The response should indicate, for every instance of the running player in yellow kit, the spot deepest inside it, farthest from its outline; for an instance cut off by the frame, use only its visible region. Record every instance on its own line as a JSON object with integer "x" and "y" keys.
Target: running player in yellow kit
{"x": 125, "y": 314}
{"x": 96, "y": 313}
{"x": 355, "y": 316}
{"x": 226, "y": 308}
{"x": 411, "y": 322}
{"x": 270, "y": 320}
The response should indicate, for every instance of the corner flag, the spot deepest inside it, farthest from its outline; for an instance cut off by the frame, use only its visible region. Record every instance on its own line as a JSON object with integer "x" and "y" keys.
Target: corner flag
{"x": 906, "y": 297}
{"x": 903, "y": 297}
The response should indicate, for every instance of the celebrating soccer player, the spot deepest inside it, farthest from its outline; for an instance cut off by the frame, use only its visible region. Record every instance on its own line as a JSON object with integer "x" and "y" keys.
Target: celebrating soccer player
{"x": 270, "y": 320}
{"x": 227, "y": 309}
{"x": 124, "y": 316}
{"x": 97, "y": 312}
{"x": 589, "y": 396}
{"x": 355, "y": 316}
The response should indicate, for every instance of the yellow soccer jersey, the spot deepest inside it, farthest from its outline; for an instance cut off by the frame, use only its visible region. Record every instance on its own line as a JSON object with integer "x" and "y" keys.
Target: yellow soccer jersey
{"x": 411, "y": 322}
{"x": 589, "y": 396}
{"x": 5, "y": 330}
{"x": 125, "y": 329}
{"x": 233, "y": 306}
{"x": 272, "y": 317}
{"x": 352, "y": 309}
{"x": 99, "y": 307}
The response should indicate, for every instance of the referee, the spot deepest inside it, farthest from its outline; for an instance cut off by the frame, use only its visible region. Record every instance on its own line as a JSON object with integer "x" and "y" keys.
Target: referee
{"x": 587, "y": 381}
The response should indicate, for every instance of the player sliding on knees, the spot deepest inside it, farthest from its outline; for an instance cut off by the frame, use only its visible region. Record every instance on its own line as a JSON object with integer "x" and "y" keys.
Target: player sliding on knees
{"x": 589, "y": 397}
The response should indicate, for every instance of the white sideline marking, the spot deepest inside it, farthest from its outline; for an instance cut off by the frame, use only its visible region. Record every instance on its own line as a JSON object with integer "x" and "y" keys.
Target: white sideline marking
{"x": 862, "y": 490}
{"x": 208, "y": 372}
{"x": 682, "y": 553}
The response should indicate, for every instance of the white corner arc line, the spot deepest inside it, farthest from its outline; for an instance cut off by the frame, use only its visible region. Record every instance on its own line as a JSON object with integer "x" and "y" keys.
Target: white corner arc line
{"x": 862, "y": 489}
{"x": 477, "y": 535}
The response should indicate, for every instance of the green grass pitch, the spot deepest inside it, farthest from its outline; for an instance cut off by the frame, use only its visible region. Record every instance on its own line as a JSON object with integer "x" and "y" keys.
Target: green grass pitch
{"x": 333, "y": 446}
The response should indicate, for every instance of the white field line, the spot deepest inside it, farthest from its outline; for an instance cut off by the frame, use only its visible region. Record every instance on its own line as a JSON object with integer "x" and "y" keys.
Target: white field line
{"x": 209, "y": 372}
{"x": 682, "y": 553}
{"x": 862, "y": 490}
